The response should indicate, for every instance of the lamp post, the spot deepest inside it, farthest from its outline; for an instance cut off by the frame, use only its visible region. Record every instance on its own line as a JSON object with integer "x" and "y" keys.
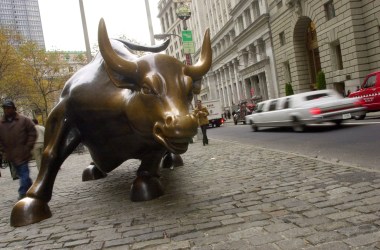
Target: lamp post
{"x": 85, "y": 32}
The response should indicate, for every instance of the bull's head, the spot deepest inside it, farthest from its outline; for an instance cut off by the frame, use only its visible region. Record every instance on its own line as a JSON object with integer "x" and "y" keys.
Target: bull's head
{"x": 162, "y": 90}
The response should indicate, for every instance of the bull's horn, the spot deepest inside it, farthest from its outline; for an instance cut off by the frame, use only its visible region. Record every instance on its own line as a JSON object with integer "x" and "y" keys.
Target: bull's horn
{"x": 114, "y": 61}
{"x": 199, "y": 69}
{"x": 138, "y": 47}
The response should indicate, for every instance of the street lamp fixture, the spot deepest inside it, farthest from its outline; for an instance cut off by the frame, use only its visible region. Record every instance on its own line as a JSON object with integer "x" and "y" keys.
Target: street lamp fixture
{"x": 164, "y": 36}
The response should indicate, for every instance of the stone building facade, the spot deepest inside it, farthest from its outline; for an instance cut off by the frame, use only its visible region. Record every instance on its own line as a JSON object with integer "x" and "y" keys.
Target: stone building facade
{"x": 243, "y": 66}
{"x": 260, "y": 45}
{"x": 339, "y": 37}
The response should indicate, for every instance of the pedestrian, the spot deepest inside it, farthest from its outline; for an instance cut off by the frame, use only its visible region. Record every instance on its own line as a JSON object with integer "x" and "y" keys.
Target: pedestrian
{"x": 17, "y": 137}
{"x": 229, "y": 114}
{"x": 38, "y": 148}
{"x": 348, "y": 93}
{"x": 201, "y": 113}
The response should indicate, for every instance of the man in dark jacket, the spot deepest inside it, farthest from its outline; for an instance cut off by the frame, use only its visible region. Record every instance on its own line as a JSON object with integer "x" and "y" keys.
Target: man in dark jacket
{"x": 17, "y": 137}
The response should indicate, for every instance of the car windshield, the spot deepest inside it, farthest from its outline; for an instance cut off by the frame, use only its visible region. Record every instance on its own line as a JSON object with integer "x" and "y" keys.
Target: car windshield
{"x": 316, "y": 96}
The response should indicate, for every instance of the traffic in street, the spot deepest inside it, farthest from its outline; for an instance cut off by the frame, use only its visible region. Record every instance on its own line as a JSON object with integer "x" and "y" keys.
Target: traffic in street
{"x": 354, "y": 143}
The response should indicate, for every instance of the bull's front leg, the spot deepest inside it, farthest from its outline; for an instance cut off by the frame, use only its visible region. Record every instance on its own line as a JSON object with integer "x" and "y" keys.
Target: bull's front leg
{"x": 34, "y": 207}
{"x": 147, "y": 185}
{"x": 172, "y": 160}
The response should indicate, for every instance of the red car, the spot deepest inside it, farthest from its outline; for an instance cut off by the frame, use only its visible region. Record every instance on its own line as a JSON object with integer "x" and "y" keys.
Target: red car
{"x": 370, "y": 92}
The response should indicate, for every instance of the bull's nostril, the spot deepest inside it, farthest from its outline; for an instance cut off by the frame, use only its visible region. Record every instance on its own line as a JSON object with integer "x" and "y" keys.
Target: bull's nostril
{"x": 169, "y": 120}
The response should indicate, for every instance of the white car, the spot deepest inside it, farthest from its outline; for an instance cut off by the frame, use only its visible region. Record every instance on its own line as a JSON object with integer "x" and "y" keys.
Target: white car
{"x": 299, "y": 110}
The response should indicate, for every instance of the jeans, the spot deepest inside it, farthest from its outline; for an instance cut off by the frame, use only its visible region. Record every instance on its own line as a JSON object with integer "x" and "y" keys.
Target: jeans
{"x": 204, "y": 133}
{"x": 25, "y": 181}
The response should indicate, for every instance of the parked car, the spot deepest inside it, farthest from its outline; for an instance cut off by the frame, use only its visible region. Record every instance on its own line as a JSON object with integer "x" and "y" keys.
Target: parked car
{"x": 370, "y": 92}
{"x": 299, "y": 110}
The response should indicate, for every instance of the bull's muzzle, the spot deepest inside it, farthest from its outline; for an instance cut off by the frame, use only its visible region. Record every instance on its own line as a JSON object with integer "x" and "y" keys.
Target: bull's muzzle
{"x": 176, "y": 132}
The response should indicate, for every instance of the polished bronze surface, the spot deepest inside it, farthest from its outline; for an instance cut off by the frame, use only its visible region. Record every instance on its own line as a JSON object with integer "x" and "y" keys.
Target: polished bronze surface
{"x": 121, "y": 107}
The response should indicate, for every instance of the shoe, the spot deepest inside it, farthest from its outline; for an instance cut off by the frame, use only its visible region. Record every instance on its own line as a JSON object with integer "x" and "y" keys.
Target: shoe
{"x": 15, "y": 178}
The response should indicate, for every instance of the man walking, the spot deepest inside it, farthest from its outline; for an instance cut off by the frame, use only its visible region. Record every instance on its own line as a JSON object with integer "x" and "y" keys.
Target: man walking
{"x": 201, "y": 113}
{"x": 17, "y": 138}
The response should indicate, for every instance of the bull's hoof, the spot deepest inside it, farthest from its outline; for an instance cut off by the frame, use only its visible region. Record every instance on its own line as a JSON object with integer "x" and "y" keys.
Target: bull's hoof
{"x": 172, "y": 160}
{"x": 28, "y": 211}
{"x": 92, "y": 173}
{"x": 145, "y": 188}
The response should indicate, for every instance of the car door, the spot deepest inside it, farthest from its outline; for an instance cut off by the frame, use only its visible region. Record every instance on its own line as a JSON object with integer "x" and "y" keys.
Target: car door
{"x": 370, "y": 93}
{"x": 269, "y": 116}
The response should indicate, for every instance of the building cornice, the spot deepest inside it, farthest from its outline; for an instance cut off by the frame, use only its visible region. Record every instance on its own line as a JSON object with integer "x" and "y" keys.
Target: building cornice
{"x": 261, "y": 21}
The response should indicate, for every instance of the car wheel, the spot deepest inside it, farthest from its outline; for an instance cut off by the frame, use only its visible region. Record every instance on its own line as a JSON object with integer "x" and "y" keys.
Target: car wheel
{"x": 338, "y": 122}
{"x": 244, "y": 123}
{"x": 359, "y": 117}
{"x": 297, "y": 125}
{"x": 254, "y": 127}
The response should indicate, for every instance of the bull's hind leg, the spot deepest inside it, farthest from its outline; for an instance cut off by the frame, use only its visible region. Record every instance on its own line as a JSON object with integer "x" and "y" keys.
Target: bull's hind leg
{"x": 147, "y": 185}
{"x": 34, "y": 207}
{"x": 92, "y": 172}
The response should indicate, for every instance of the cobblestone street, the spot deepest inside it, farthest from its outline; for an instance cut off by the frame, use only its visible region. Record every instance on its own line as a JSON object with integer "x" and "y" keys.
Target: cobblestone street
{"x": 225, "y": 197}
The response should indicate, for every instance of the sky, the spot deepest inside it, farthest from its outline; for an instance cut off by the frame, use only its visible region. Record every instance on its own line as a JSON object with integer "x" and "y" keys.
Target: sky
{"x": 62, "y": 25}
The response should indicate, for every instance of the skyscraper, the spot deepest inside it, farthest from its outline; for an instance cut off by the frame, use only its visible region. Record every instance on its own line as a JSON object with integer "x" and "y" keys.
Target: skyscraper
{"x": 23, "y": 17}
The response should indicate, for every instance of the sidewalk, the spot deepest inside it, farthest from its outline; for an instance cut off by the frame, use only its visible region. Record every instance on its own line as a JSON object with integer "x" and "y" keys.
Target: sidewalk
{"x": 225, "y": 197}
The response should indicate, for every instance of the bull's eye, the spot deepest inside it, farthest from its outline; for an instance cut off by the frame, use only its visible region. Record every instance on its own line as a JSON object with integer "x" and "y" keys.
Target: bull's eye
{"x": 146, "y": 90}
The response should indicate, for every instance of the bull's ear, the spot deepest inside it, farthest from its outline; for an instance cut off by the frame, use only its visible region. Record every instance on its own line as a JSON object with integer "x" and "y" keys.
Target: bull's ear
{"x": 121, "y": 81}
{"x": 197, "y": 87}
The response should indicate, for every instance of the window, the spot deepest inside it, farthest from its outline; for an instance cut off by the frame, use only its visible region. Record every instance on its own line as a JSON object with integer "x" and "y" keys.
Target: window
{"x": 287, "y": 73}
{"x": 315, "y": 96}
{"x": 287, "y": 103}
{"x": 329, "y": 10}
{"x": 272, "y": 105}
{"x": 279, "y": 4}
{"x": 282, "y": 38}
{"x": 337, "y": 56}
{"x": 248, "y": 17}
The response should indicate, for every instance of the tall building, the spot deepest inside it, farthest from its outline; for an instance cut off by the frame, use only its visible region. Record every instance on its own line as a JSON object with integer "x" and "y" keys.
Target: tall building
{"x": 243, "y": 68}
{"x": 23, "y": 17}
{"x": 339, "y": 37}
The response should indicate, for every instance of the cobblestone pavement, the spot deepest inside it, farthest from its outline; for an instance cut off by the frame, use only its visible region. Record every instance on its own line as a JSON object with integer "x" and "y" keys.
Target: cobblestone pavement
{"x": 227, "y": 196}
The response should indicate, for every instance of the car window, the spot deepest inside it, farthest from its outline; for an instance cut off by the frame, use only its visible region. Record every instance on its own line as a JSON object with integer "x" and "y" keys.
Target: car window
{"x": 272, "y": 105}
{"x": 316, "y": 96}
{"x": 259, "y": 107}
{"x": 286, "y": 103}
{"x": 370, "y": 82}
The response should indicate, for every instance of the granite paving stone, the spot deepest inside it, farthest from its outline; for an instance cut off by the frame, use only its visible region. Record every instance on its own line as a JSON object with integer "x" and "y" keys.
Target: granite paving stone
{"x": 226, "y": 196}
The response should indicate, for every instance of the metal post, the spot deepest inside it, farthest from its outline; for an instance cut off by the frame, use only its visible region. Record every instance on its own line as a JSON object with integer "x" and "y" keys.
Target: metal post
{"x": 149, "y": 22}
{"x": 85, "y": 32}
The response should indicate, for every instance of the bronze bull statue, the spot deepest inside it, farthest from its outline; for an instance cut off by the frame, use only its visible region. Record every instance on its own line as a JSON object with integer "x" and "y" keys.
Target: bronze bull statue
{"x": 121, "y": 107}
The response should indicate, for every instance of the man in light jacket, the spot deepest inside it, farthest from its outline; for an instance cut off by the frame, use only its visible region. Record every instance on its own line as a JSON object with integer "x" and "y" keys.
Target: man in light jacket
{"x": 201, "y": 113}
{"x": 39, "y": 145}
{"x": 17, "y": 138}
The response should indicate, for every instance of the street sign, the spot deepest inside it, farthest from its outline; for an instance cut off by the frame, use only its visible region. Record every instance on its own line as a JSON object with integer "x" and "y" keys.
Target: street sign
{"x": 188, "y": 47}
{"x": 187, "y": 36}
